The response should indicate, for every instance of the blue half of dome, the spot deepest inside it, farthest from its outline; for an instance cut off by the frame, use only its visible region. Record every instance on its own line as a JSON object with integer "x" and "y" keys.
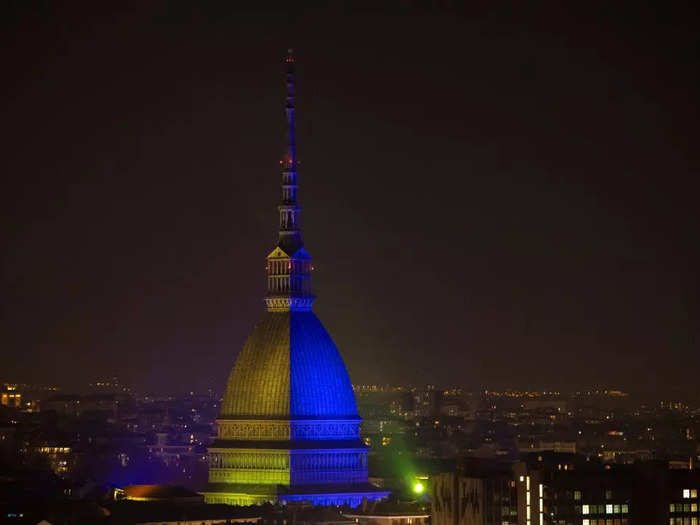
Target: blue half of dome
{"x": 319, "y": 383}
{"x": 289, "y": 367}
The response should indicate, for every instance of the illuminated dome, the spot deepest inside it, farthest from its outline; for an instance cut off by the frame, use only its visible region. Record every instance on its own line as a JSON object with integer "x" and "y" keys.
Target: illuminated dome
{"x": 288, "y": 430}
{"x": 289, "y": 368}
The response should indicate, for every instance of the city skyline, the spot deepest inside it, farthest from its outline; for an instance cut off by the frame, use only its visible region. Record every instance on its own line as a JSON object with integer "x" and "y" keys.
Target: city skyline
{"x": 504, "y": 203}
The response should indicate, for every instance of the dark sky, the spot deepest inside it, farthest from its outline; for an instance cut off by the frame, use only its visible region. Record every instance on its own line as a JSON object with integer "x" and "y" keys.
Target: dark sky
{"x": 494, "y": 197}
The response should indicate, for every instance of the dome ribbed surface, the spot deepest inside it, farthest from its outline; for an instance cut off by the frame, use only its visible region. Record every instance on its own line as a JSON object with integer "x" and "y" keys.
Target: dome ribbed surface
{"x": 259, "y": 382}
{"x": 289, "y": 367}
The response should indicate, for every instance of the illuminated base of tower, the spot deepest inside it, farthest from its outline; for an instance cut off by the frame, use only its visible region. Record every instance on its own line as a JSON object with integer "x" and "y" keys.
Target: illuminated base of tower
{"x": 255, "y": 462}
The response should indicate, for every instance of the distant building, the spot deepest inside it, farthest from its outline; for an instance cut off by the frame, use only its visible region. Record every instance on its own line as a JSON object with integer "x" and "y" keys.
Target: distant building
{"x": 556, "y": 404}
{"x": 77, "y": 405}
{"x": 560, "y": 447}
{"x": 61, "y": 457}
{"x": 288, "y": 429}
{"x": 10, "y": 396}
{"x": 174, "y": 454}
{"x": 110, "y": 385}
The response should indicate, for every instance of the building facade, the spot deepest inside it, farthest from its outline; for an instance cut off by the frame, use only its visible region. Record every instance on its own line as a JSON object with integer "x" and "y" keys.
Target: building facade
{"x": 288, "y": 428}
{"x": 482, "y": 495}
{"x": 566, "y": 489}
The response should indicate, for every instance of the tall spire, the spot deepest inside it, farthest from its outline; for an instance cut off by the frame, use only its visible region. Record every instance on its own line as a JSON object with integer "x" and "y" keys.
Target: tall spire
{"x": 290, "y": 152}
{"x": 289, "y": 265}
{"x": 290, "y": 225}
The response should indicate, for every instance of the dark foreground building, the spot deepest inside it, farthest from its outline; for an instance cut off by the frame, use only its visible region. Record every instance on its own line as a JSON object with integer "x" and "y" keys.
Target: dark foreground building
{"x": 288, "y": 428}
{"x": 565, "y": 489}
{"x": 480, "y": 492}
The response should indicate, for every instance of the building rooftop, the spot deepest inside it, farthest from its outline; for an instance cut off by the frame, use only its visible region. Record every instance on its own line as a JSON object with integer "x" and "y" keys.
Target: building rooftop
{"x": 159, "y": 493}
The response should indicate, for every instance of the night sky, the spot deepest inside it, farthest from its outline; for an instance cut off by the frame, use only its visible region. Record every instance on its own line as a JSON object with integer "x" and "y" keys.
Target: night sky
{"x": 494, "y": 197}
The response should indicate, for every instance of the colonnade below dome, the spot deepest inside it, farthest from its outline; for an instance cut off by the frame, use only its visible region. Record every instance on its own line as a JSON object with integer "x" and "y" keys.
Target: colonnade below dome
{"x": 295, "y": 429}
{"x": 257, "y": 460}
{"x": 286, "y": 460}
{"x": 289, "y": 467}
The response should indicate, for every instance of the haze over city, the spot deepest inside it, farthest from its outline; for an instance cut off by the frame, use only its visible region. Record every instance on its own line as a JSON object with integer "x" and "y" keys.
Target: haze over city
{"x": 494, "y": 197}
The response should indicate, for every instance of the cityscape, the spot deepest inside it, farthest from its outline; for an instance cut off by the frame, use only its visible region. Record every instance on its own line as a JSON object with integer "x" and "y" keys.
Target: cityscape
{"x": 419, "y": 440}
{"x": 508, "y": 343}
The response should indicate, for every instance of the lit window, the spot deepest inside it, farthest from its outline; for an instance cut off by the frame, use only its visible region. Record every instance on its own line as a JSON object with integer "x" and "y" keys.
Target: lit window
{"x": 527, "y": 496}
{"x": 527, "y": 482}
{"x": 693, "y": 507}
{"x": 686, "y": 493}
{"x": 585, "y": 509}
{"x": 693, "y": 493}
{"x": 586, "y": 522}
{"x": 625, "y": 508}
{"x": 541, "y": 490}
{"x": 616, "y": 509}
{"x": 608, "y": 509}
{"x": 577, "y": 495}
{"x": 672, "y": 508}
{"x": 522, "y": 478}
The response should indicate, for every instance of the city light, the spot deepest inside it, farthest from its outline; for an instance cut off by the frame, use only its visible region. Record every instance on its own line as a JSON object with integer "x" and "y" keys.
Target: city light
{"x": 502, "y": 206}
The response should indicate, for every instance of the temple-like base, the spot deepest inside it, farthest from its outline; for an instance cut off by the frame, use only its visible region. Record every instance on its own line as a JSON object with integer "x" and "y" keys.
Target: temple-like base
{"x": 254, "y": 461}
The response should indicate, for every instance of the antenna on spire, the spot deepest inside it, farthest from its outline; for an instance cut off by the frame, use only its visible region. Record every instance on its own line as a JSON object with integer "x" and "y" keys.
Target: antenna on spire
{"x": 290, "y": 153}
{"x": 290, "y": 227}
